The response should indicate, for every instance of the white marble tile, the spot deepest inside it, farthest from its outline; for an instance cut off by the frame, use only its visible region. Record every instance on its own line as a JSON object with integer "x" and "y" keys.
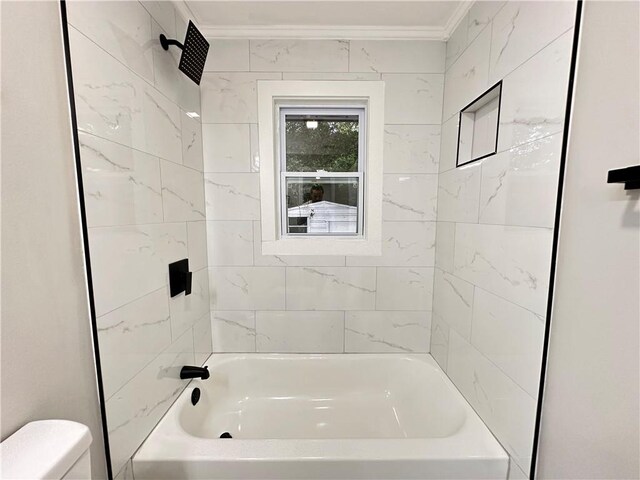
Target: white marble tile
{"x": 227, "y": 147}
{"x": 231, "y": 97}
{"x": 342, "y": 76}
{"x": 186, "y": 310}
{"x": 121, "y": 28}
{"x": 453, "y": 302}
{"x": 511, "y": 337}
{"x": 401, "y": 56}
{"x": 290, "y": 260}
{"x": 403, "y": 244}
{"x": 413, "y": 98}
{"x": 202, "y": 346}
{"x": 300, "y": 332}
{"x": 299, "y": 55}
{"x": 506, "y": 409}
{"x": 515, "y": 473}
{"x": 233, "y": 331}
{"x": 255, "y": 148}
{"x": 182, "y": 193}
{"x": 230, "y": 243}
{"x": 232, "y": 196}
{"x": 197, "y": 244}
{"x": 480, "y": 16}
{"x": 122, "y": 185}
{"x": 129, "y": 262}
{"x": 445, "y": 243}
{"x": 439, "y": 341}
{"x": 169, "y": 80}
{"x": 247, "y": 288}
{"x": 131, "y": 337}
{"x": 387, "y": 332}
{"x": 409, "y": 197}
{"x": 520, "y": 186}
{"x": 512, "y": 262}
{"x": 163, "y": 13}
{"x": 521, "y": 29}
{"x": 163, "y": 129}
{"x": 457, "y": 42}
{"x": 411, "y": 148}
{"x": 404, "y": 288}
{"x": 192, "y": 142}
{"x": 534, "y": 96}
{"x": 138, "y": 406}
{"x": 449, "y": 144}
{"x": 468, "y": 77}
{"x": 331, "y": 288}
{"x": 459, "y": 194}
{"x": 227, "y": 55}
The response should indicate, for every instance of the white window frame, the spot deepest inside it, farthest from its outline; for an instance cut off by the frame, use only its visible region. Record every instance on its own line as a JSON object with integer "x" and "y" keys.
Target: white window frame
{"x": 283, "y": 111}
{"x": 274, "y": 95}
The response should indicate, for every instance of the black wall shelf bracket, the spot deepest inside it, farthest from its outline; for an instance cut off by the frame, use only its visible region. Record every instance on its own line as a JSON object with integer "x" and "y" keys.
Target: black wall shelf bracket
{"x": 180, "y": 277}
{"x": 630, "y": 176}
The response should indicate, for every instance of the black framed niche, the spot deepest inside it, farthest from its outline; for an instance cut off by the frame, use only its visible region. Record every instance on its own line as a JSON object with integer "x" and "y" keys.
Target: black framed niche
{"x": 478, "y": 127}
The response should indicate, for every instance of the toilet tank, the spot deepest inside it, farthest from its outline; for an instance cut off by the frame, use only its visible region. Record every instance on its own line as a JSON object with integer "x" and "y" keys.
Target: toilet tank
{"x": 47, "y": 449}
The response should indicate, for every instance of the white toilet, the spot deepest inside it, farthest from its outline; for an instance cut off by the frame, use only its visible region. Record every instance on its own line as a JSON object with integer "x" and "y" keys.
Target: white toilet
{"x": 47, "y": 449}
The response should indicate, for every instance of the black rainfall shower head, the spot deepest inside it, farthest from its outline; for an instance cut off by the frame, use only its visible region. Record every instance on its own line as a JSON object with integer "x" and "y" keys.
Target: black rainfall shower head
{"x": 194, "y": 52}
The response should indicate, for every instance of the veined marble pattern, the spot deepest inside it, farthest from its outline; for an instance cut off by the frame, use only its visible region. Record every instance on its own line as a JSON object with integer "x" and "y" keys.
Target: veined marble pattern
{"x": 247, "y": 288}
{"x": 411, "y": 148}
{"x": 227, "y": 148}
{"x": 232, "y": 196}
{"x": 520, "y": 186}
{"x": 404, "y": 288}
{"x": 299, "y": 55}
{"x": 163, "y": 126}
{"x": 453, "y": 302}
{"x": 122, "y": 29}
{"x": 182, "y": 193}
{"x": 521, "y": 29}
{"x": 457, "y": 42}
{"x": 163, "y": 13}
{"x": 131, "y": 337}
{"x": 331, "y": 288}
{"x": 122, "y": 186}
{"x": 227, "y": 55}
{"x": 191, "y": 142}
{"x": 445, "y": 242}
{"x": 480, "y": 16}
{"x": 186, "y": 310}
{"x": 230, "y": 243}
{"x": 142, "y": 252}
{"x": 300, "y": 332}
{"x": 468, "y": 77}
{"x": 413, "y": 98}
{"x": 534, "y": 95}
{"x": 382, "y": 332}
{"x": 459, "y": 193}
{"x": 231, "y": 97}
{"x": 202, "y": 340}
{"x": 138, "y": 406}
{"x": 512, "y": 262}
{"x": 506, "y": 409}
{"x": 403, "y": 56}
{"x": 409, "y": 197}
{"x": 449, "y": 144}
{"x": 403, "y": 244}
{"x": 439, "y": 344}
{"x": 197, "y": 243}
{"x": 233, "y": 331}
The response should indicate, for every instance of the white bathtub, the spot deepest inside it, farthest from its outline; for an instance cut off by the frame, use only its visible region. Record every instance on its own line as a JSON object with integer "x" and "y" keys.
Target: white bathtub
{"x": 321, "y": 417}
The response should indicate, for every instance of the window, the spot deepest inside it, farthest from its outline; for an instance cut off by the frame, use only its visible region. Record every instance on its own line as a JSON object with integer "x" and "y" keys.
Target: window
{"x": 321, "y": 146}
{"x": 322, "y": 163}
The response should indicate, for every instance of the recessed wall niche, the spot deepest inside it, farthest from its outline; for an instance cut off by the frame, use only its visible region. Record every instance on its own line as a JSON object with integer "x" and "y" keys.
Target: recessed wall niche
{"x": 478, "y": 127}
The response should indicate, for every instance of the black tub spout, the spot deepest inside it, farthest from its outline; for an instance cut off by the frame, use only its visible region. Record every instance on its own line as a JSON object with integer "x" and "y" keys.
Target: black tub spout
{"x": 189, "y": 371}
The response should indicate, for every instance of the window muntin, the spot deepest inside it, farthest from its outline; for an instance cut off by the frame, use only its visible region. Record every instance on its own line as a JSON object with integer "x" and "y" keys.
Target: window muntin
{"x": 322, "y": 168}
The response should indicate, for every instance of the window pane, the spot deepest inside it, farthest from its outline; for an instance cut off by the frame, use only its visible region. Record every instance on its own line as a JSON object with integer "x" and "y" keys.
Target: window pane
{"x": 321, "y": 205}
{"x": 321, "y": 142}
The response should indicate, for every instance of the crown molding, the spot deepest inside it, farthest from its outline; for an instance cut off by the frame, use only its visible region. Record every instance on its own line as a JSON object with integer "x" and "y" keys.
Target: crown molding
{"x": 323, "y": 32}
{"x": 184, "y": 10}
{"x": 455, "y": 19}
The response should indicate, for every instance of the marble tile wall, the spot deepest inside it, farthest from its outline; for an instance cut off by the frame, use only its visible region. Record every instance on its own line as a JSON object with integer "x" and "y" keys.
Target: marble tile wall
{"x": 268, "y": 303}
{"x": 141, "y": 152}
{"x": 495, "y": 217}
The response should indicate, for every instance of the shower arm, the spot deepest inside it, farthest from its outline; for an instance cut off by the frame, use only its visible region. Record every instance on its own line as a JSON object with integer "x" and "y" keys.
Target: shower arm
{"x": 165, "y": 42}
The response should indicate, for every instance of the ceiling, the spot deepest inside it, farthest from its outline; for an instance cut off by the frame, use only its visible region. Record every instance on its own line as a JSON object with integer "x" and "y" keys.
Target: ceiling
{"x": 325, "y": 18}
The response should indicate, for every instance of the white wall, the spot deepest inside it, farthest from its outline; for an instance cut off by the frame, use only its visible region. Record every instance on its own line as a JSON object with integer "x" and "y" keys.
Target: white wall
{"x": 141, "y": 157}
{"x": 496, "y": 216}
{"x": 47, "y": 356}
{"x": 590, "y": 416}
{"x": 322, "y": 303}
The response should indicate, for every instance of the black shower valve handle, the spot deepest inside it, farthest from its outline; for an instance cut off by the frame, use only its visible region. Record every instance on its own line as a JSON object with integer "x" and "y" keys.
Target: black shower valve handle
{"x": 180, "y": 278}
